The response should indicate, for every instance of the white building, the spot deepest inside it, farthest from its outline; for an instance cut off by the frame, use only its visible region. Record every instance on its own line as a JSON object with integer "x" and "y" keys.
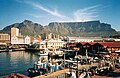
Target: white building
{"x": 51, "y": 44}
{"x": 89, "y": 39}
{"x": 27, "y": 40}
{"x": 17, "y": 38}
{"x": 42, "y": 45}
{"x": 20, "y": 40}
{"x": 83, "y": 39}
{"x": 14, "y": 40}
{"x": 55, "y": 44}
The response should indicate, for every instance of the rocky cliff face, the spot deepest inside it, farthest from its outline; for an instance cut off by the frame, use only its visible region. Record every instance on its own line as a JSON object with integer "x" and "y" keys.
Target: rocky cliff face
{"x": 90, "y": 28}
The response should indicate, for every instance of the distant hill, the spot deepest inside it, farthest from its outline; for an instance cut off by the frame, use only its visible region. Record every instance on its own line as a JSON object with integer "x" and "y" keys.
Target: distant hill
{"x": 118, "y": 32}
{"x": 83, "y": 29}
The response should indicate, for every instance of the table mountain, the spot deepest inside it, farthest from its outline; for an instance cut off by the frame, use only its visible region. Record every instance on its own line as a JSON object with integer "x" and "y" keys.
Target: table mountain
{"x": 89, "y": 28}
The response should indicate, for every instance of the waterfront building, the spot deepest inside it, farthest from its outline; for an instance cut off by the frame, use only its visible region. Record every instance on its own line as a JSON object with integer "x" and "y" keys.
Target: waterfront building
{"x": 111, "y": 46}
{"x": 27, "y": 40}
{"x": 35, "y": 39}
{"x": 55, "y": 44}
{"x": 4, "y": 38}
{"x": 20, "y": 40}
{"x": 49, "y": 44}
{"x": 90, "y": 39}
{"x": 17, "y": 38}
{"x": 84, "y": 39}
{"x": 14, "y": 31}
{"x": 53, "y": 36}
{"x": 14, "y": 40}
{"x": 97, "y": 46}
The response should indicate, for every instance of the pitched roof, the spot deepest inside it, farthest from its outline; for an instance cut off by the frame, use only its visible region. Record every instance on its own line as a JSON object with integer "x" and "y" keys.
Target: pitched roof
{"x": 110, "y": 44}
{"x": 107, "y": 44}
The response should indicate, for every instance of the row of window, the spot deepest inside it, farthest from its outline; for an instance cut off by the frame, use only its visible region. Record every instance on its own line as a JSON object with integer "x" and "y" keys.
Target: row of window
{"x": 15, "y": 40}
{"x": 4, "y": 37}
{"x": 55, "y": 46}
{"x": 55, "y": 43}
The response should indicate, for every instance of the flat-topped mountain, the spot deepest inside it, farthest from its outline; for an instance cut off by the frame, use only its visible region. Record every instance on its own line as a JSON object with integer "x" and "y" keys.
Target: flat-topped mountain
{"x": 89, "y": 28}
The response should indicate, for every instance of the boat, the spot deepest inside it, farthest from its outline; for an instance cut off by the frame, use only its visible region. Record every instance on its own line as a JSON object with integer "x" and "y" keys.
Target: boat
{"x": 16, "y": 75}
{"x": 54, "y": 53}
{"x": 42, "y": 67}
{"x": 44, "y": 52}
{"x": 117, "y": 51}
{"x": 10, "y": 50}
{"x": 3, "y": 50}
{"x": 57, "y": 53}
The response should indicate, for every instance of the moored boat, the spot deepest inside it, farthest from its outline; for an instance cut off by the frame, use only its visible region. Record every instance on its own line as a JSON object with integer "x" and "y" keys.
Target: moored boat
{"x": 43, "y": 67}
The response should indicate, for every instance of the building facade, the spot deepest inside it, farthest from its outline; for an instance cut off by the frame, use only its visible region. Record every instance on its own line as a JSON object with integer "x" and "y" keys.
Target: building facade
{"x": 17, "y": 38}
{"x": 4, "y": 38}
{"x": 90, "y": 39}
{"x": 55, "y": 44}
{"x": 14, "y": 31}
{"x": 27, "y": 40}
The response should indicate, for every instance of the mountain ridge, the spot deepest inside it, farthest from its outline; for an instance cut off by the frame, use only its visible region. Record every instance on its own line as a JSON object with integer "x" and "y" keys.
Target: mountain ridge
{"x": 83, "y": 29}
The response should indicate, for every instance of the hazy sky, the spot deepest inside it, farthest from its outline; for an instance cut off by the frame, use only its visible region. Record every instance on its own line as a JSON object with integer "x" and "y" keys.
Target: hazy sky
{"x": 46, "y": 11}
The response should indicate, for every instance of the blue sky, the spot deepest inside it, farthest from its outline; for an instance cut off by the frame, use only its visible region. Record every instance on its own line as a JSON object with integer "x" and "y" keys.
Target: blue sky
{"x": 46, "y": 11}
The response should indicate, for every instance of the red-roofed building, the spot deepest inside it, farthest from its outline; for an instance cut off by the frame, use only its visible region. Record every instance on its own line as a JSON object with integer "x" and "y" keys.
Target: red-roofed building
{"x": 108, "y": 46}
{"x": 111, "y": 46}
{"x": 35, "y": 39}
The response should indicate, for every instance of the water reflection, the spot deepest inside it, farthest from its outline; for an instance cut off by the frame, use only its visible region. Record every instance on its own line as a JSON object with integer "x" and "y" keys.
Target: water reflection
{"x": 16, "y": 62}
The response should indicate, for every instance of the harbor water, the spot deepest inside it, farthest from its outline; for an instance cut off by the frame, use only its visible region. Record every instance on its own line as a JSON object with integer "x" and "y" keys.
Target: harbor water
{"x": 16, "y": 62}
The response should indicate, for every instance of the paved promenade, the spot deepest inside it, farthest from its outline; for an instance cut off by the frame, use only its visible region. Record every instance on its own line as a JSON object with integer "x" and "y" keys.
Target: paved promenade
{"x": 57, "y": 74}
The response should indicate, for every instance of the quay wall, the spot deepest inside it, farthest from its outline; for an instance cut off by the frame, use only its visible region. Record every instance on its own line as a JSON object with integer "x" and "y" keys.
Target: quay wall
{"x": 57, "y": 74}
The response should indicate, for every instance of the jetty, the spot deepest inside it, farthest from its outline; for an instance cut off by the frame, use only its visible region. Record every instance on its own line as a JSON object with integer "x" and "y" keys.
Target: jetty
{"x": 63, "y": 73}
{"x": 59, "y": 74}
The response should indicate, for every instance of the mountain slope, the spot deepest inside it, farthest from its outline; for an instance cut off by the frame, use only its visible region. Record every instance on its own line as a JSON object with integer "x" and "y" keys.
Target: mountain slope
{"x": 90, "y": 28}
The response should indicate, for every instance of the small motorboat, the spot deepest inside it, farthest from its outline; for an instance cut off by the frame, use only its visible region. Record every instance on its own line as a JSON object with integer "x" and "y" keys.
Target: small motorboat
{"x": 44, "y": 52}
